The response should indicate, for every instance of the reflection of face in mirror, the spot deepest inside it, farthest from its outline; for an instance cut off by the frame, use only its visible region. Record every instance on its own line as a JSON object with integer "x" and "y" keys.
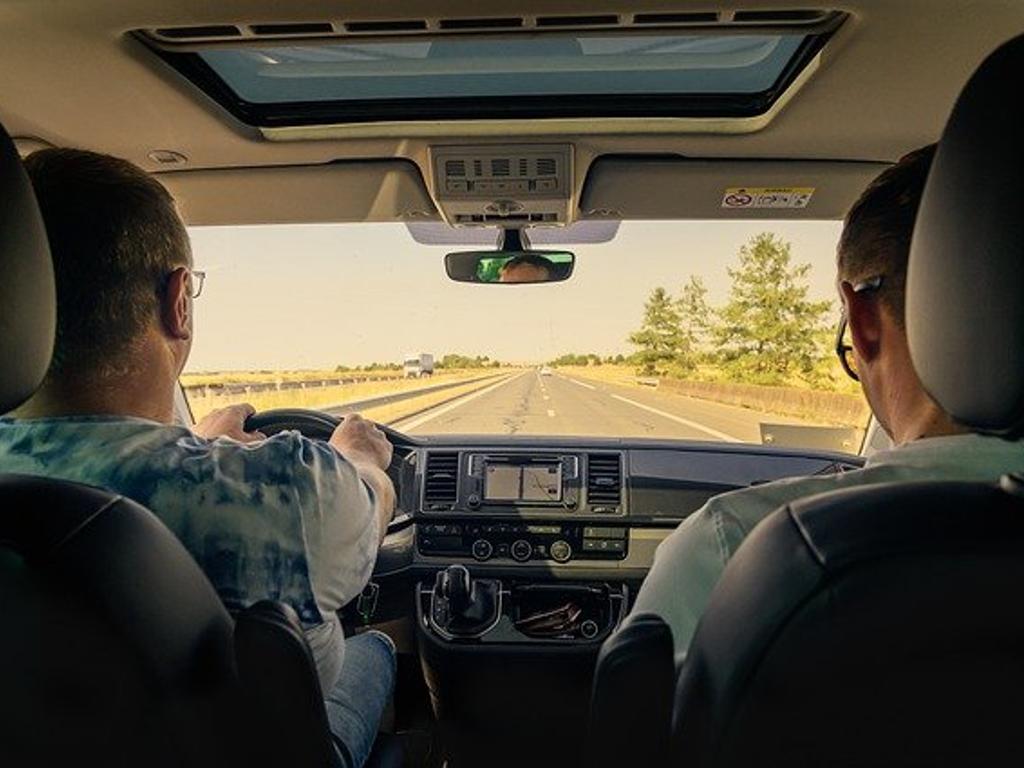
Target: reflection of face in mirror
{"x": 528, "y": 268}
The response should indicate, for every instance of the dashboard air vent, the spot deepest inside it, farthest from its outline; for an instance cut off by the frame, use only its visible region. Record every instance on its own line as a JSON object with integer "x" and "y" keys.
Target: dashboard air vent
{"x": 455, "y": 167}
{"x": 440, "y": 480}
{"x": 604, "y": 480}
{"x": 546, "y": 166}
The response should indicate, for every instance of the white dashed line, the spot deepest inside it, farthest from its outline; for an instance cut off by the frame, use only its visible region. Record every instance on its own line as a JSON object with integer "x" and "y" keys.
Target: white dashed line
{"x": 551, "y": 413}
{"x": 581, "y": 384}
{"x": 680, "y": 420}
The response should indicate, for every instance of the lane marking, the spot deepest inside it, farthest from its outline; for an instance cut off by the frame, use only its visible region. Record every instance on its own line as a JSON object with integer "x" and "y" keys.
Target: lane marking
{"x": 581, "y": 384}
{"x": 551, "y": 413}
{"x": 547, "y": 397}
{"x": 430, "y": 416}
{"x": 681, "y": 420}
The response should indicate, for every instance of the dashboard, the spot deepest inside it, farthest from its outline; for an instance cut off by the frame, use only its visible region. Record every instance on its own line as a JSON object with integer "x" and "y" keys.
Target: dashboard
{"x": 567, "y": 505}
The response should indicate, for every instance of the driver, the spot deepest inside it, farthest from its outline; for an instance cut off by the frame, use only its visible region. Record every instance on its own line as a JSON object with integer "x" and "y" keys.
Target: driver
{"x": 283, "y": 518}
{"x": 526, "y": 268}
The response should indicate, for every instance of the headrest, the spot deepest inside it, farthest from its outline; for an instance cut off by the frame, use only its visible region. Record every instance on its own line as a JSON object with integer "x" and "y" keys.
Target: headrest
{"x": 28, "y": 300}
{"x": 965, "y": 277}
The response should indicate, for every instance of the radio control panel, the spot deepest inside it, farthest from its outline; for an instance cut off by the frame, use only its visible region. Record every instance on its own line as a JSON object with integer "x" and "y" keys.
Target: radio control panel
{"x": 522, "y": 542}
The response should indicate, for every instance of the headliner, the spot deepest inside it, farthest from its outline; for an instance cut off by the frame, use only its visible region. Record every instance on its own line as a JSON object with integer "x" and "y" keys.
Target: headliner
{"x": 70, "y": 76}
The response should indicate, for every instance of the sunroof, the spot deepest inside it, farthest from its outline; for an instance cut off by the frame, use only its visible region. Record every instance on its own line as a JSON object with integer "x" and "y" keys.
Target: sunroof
{"x": 673, "y": 73}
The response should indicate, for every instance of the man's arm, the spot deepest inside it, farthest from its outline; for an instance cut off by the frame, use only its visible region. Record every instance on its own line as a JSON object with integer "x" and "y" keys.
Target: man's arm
{"x": 368, "y": 450}
{"x": 687, "y": 565}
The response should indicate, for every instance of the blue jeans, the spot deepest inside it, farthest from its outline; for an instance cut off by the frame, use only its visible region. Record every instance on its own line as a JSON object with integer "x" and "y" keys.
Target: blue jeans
{"x": 356, "y": 701}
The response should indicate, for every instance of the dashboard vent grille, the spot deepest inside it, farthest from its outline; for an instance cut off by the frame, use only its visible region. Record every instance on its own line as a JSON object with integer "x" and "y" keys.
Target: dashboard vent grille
{"x": 455, "y": 168}
{"x": 440, "y": 480}
{"x": 546, "y": 166}
{"x": 604, "y": 480}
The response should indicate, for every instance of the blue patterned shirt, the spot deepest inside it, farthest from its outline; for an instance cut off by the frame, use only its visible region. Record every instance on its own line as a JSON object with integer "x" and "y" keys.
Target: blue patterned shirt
{"x": 285, "y": 519}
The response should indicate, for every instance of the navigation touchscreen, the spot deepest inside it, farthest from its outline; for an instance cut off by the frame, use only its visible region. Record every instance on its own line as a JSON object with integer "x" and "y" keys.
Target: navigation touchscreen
{"x": 523, "y": 482}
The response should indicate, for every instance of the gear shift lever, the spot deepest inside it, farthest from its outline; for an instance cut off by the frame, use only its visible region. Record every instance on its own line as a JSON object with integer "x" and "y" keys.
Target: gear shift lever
{"x": 462, "y": 606}
{"x": 456, "y": 585}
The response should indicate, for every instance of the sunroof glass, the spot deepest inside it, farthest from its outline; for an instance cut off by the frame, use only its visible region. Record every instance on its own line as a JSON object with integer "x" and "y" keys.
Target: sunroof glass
{"x": 538, "y": 66}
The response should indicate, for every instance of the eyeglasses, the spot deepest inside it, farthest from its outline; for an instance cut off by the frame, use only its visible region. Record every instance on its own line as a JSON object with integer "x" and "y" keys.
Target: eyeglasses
{"x": 844, "y": 350}
{"x": 197, "y": 278}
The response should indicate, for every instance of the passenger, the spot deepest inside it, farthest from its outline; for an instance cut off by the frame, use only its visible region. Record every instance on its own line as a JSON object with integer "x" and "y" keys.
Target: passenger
{"x": 527, "y": 268}
{"x": 872, "y": 269}
{"x": 284, "y": 518}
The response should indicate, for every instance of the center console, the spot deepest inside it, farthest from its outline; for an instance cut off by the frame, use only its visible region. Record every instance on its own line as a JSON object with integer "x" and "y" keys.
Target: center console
{"x": 508, "y": 631}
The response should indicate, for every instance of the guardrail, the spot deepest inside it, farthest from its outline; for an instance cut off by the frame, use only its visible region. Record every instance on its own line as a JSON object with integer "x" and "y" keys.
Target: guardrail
{"x": 246, "y": 388}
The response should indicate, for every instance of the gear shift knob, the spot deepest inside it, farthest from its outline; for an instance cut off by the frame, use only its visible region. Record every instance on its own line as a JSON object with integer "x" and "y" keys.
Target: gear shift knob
{"x": 456, "y": 586}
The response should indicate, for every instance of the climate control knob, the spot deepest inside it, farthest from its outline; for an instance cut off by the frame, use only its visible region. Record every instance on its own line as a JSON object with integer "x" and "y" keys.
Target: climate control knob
{"x": 521, "y": 550}
{"x": 482, "y": 549}
{"x": 560, "y": 551}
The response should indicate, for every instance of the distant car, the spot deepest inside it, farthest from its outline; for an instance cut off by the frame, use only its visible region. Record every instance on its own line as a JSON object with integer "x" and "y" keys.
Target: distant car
{"x": 545, "y": 371}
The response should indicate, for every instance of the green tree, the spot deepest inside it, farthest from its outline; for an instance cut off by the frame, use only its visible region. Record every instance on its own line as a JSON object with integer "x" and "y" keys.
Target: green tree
{"x": 695, "y": 314}
{"x": 768, "y": 331}
{"x": 662, "y": 346}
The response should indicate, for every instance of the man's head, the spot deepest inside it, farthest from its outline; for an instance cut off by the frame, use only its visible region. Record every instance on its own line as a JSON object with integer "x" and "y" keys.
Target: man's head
{"x": 872, "y": 275}
{"x": 526, "y": 268}
{"x": 122, "y": 263}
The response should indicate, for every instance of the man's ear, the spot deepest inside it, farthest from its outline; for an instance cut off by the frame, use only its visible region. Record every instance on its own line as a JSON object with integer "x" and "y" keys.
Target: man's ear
{"x": 176, "y": 306}
{"x": 863, "y": 314}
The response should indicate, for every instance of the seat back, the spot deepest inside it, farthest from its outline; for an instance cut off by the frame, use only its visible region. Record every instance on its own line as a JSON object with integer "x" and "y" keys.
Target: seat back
{"x": 115, "y": 649}
{"x": 280, "y": 683}
{"x": 631, "y": 698}
{"x": 873, "y": 626}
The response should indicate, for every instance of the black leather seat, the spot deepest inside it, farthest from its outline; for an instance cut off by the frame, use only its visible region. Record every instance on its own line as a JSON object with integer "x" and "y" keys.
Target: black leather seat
{"x": 115, "y": 650}
{"x": 884, "y": 625}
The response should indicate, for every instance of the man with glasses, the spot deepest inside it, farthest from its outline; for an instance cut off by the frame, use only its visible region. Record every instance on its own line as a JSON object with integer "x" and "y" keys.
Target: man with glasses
{"x": 872, "y": 347}
{"x": 284, "y": 518}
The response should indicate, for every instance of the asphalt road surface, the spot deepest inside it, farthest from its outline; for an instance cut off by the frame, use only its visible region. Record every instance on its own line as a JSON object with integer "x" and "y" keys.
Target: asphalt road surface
{"x": 530, "y": 404}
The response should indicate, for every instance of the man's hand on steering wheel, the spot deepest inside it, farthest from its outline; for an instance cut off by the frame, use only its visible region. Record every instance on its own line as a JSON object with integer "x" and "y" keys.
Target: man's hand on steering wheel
{"x": 360, "y": 441}
{"x": 368, "y": 450}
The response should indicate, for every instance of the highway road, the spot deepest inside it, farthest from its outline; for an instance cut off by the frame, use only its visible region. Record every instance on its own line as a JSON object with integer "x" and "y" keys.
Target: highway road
{"x": 530, "y": 404}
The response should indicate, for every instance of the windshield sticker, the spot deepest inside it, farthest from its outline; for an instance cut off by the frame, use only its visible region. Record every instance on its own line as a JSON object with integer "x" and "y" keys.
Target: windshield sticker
{"x": 767, "y": 197}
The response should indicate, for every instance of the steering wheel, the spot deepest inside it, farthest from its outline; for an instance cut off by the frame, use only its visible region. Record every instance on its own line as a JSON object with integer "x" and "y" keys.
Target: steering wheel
{"x": 320, "y": 425}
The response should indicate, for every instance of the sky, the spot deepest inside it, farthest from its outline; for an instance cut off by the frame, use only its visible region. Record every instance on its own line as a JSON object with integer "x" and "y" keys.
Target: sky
{"x": 318, "y": 296}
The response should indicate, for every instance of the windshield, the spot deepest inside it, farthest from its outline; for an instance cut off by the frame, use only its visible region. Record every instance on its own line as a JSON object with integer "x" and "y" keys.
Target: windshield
{"x": 710, "y": 331}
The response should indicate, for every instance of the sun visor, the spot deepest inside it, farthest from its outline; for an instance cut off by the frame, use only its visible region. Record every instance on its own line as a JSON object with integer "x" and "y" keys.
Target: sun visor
{"x": 625, "y": 188}
{"x": 385, "y": 190}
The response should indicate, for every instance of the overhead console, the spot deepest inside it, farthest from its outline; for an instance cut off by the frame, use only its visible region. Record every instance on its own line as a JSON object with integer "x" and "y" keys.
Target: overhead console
{"x": 505, "y": 186}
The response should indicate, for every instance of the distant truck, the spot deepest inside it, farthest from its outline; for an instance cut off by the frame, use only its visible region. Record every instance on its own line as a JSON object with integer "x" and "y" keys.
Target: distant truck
{"x": 418, "y": 364}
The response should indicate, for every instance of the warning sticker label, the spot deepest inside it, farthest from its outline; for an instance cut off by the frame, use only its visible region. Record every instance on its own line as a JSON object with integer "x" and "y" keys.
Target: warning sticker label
{"x": 767, "y": 197}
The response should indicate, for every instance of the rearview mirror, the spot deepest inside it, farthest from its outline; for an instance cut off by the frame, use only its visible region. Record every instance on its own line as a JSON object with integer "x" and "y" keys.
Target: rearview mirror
{"x": 509, "y": 266}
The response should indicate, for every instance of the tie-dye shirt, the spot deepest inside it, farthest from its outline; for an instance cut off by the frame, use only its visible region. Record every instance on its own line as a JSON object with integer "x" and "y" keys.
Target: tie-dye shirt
{"x": 284, "y": 519}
